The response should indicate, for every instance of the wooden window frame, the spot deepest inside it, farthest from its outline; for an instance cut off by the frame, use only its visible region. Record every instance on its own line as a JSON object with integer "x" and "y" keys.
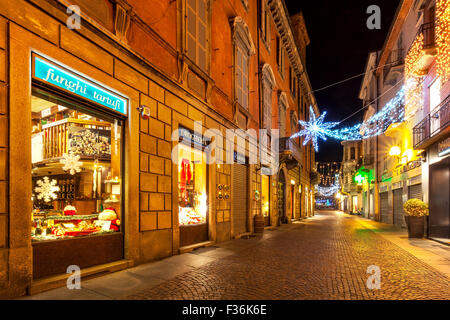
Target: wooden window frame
{"x": 186, "y": 34}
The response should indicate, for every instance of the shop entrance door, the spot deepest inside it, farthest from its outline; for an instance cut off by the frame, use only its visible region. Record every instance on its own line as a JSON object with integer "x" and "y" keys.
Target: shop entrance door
{"x": 384, "y": 208}
{"x": 240, "y": 199}
{"x": 439, "y": 220}
{"x": 399, "y": 220}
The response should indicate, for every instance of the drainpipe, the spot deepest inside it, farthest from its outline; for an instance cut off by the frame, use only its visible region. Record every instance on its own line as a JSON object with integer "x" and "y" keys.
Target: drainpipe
{"x": 375, "y": 191}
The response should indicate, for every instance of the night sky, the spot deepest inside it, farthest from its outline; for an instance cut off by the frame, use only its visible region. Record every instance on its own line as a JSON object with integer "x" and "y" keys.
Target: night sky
{"x": 340, "y": 44}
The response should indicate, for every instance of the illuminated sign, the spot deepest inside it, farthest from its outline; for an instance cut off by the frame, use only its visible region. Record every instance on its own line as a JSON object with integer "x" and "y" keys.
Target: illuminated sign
{"x": 62, "y": 78}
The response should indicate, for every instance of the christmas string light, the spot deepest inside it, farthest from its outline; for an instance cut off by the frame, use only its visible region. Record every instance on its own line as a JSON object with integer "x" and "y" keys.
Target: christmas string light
{"x": 327, "y": 191}
{"x": 443, "y": 39}
{"x": 316, "y": 128}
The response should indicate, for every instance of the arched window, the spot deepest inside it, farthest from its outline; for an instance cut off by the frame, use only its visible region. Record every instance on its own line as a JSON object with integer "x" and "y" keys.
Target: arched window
{"x": 282, "y": 106}
{"x": 294, "y": 122}
{"x": 243, "y": 49}
{"x": 267, "y": 85}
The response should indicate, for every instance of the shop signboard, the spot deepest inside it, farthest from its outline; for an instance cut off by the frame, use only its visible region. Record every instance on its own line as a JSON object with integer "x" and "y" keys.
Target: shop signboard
{"x": 187, "y": 136}
{"x": 444, "y": 147}
{"x": 56, "y": 75}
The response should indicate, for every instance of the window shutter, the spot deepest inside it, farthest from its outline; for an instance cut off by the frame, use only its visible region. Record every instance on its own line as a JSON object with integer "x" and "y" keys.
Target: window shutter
{"x": 196, "y": 32}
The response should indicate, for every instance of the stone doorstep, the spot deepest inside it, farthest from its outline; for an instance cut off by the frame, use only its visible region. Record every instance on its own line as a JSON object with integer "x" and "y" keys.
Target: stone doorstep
{"x": 244, "y": 235}
{"x": 191, "y": 247}
{"x": 53, "y": 282}
{"x": 441, "y": 240}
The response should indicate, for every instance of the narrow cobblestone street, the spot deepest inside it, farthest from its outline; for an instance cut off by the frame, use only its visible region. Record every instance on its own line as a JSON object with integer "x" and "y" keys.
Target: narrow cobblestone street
{"x": 325, "y": 257}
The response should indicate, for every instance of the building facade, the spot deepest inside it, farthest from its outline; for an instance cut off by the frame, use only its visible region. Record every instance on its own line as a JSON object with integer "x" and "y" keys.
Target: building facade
{"x": 428, "y": 68}
{"x": 351, "y": 199}
{"x": 122, "y": 110}
{"x": 413, "y": 62}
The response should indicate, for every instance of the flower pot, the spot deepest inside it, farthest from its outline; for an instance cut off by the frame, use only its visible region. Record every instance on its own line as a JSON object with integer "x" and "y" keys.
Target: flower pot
{"x": 415, "y": 226}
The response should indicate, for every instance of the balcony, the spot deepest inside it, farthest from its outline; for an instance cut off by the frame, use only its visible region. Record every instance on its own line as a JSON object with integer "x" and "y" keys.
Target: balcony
{"x": 368, "y": 160}
{"x": 434, "y": 127}
{"x": 290, "y": 149}
{"x": 394, "y": 67}
{"x": 424, "y": 46}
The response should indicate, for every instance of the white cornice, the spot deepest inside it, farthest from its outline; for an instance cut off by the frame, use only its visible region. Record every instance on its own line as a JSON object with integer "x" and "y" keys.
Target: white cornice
{"x": 281, "y": 19}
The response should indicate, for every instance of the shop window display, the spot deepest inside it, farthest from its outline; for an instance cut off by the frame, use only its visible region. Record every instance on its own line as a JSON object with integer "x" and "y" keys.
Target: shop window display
{"x": 265, "y": 195}
{"x": 192, "y": 201}
{"x": 76, "y": 172}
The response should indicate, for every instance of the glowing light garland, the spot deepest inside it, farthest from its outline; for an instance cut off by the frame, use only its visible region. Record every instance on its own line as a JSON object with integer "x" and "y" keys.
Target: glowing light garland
{"x": 392, "y": 112}
{"x": 327, "y": 191}
{"x": 443, "y": 39}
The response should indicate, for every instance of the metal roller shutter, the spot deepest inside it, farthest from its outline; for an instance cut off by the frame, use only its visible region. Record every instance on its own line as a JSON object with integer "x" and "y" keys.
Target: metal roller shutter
{"x": 384, "y": 208}
{"x": 240, "y": 196}
{"x": 415, "y": 191}
{"x": 398, "y": 208}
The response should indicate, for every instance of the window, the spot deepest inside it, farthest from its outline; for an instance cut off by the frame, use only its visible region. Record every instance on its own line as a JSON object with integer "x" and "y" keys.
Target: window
{"x": 196, "y": 26}
{"x": 280, "y": 56}
{"x": 352, "y": 153}
{"x": 241, "y": 84}
{"x": 435, "y": 100}
{"x": 268, "y": 83}
{"x": 282, "y": 106}
{"x": 292, "y": 81}
{"x": 76, "y": 171}
{"x": 265, "y": 198}
{"x": 243, "y": 49}
{"x": 267, "y": 105}
{"x": 294, "y": 122}
{"x": 265, "y": 23}
{"x": 192, "y": 186}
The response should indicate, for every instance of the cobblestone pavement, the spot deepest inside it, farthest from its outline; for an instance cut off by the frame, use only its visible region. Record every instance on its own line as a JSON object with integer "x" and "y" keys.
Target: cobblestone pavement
{"x": 322, "y": 258}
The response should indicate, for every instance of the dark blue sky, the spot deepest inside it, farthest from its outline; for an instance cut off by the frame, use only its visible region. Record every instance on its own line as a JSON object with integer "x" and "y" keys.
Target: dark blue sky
{"x": 340, "y": 43}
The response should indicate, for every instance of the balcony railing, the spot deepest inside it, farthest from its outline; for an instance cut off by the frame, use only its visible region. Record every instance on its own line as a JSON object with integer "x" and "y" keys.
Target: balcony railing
{"x": 288, "y": 145}
{"x": 396, "y": 59}
{"x": 427, "y": 29}
{"x": 433, "y": 126}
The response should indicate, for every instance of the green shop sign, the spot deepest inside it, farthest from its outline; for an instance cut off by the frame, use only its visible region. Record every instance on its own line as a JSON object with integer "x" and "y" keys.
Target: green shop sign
{"x": 363, "y": 175}
{"x": 60, "y": 77}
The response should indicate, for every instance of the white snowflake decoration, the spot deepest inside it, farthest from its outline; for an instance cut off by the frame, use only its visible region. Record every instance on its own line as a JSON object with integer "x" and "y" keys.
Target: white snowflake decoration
{"x": 46, "y": 189}
{"x": 314, "y": 128}
{"x": 71, "y": 163}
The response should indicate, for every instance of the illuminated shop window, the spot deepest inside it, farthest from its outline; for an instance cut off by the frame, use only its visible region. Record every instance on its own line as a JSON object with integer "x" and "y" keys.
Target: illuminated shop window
{"x": 76, "y": 172}
{"x": 192, "y": 186}
{"x": 265, "y": 200}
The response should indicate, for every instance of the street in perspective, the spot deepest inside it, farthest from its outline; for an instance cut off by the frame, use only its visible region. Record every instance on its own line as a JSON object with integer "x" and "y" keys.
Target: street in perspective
{"x": 224, "y": 155}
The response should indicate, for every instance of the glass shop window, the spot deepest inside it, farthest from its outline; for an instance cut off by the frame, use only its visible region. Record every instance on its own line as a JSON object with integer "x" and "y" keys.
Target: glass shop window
{"x": 76, "y": 172}
{"x": 265, "y": 195}
{"x": 192, "y": 186}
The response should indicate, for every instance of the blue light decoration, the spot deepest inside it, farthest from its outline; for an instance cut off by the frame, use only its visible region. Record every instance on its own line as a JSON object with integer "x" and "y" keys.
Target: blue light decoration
{"x": 392, "y": 112}
{"x": 327, "y": 191}
{"x": 314, "y": 128}
{"x": 60, "y": 77}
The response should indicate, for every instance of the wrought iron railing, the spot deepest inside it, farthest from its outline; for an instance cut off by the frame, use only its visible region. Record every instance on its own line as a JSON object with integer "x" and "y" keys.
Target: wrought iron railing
{"x": 427, "y": 29}
{"x": 287, "y": 144}
{"x": 396, "y": 58}
{"x": 435, "y": 121}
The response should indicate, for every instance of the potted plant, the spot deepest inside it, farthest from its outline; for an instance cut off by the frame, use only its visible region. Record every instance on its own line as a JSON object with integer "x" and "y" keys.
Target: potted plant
{"x": 415, "y": 210}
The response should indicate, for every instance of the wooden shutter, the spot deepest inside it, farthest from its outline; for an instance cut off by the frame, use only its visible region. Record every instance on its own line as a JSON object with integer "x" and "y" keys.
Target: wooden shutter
{"x": 197, "y": 31}
{"x": 240, "y": 198}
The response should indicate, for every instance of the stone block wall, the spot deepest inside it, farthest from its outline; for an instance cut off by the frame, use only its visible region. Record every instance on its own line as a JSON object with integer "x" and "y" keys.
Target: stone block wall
{"x": 4, "y": 155}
